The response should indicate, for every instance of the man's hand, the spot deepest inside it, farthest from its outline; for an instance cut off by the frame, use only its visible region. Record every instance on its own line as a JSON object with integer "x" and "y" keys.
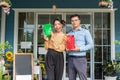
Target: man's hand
{"x": 76, "y": 49}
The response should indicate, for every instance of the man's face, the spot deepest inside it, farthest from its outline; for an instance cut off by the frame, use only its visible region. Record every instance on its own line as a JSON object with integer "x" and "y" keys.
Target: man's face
{"x": 75, "y": 21}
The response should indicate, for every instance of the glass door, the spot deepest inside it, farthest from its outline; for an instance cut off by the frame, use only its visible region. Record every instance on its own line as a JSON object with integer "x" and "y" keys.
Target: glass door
{"x": 48, "y": 18}
{"x": 102, "y": 42}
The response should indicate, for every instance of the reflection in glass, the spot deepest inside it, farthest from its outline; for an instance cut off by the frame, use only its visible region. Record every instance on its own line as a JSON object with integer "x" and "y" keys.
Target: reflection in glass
{"x": 21, "y": 35}
{"x": 66, "y": 69}
{"x": 106, "y": 37}
{"x": 106, "y": 53}
{"x": 41, "y": 57}
{"x": 68, "y": 28}
{"x": 30, "y": 50}
{"x": 102, "y": 20}
{"x": 40, "y": 36}
{"x": 88, "y": 55}
{"x": 47, "y": 18}
{"x": 98, "y": 54}
{"x": 98, "y": 71}
{"x": 25, "y": 35}
{"x": 88, "y": 69}
{"x": 106, "y": 20}
{"x": 98, "y": 37}
{"x": 25, "y": 29}
{"x": 98, "y": 20}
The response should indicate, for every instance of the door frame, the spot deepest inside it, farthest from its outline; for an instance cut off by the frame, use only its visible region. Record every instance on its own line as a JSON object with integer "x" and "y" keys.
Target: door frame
{"x": 65, "y": 10}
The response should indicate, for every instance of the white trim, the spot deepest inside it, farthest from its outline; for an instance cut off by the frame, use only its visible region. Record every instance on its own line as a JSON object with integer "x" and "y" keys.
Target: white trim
{"x": 15, "y": 31}
{"x": 112, "y": 23}
{"x": 35, "y": 39}
{"x": 3, "y": 19}
{"x": 66, "y": 10}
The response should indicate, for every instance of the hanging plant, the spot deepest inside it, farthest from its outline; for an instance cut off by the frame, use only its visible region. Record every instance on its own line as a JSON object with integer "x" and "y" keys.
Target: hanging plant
{"x": 106, "y": 3}
{"x": 6, "y": 4}
{"x": 103, "y": 3}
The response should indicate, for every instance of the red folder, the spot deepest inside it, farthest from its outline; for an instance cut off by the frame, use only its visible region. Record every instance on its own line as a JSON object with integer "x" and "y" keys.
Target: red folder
{"x": 70, "y": 42}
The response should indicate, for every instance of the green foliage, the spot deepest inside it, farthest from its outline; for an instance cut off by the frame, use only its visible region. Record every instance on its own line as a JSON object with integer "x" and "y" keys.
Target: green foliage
{"x": 3, "y": 47}
{"x": 107, "y": 1}
{"x": 117, "y": 42}
{"x": 111, "y": 67}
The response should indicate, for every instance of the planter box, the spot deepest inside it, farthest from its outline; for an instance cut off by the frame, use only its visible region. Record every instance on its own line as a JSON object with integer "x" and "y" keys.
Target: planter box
{"x": 110, "y": 78}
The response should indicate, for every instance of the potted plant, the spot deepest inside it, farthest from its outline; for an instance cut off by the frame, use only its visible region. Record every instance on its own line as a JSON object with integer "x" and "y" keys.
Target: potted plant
{"x": 110, "y": 69}
{"x": 5, "y": 4}
{"x": 103, "y": 3}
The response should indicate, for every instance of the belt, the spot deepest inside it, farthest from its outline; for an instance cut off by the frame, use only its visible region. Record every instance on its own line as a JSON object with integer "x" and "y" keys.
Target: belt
{"x": 78, "y": 56}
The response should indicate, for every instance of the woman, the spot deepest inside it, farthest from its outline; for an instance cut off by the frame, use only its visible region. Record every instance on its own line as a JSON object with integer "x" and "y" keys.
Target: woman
{"x": 55, "y": 46}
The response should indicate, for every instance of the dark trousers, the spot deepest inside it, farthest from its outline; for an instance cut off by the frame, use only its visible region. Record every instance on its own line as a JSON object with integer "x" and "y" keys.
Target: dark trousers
{"x": 77, "y": 66}
{"x": 54, "y": 65}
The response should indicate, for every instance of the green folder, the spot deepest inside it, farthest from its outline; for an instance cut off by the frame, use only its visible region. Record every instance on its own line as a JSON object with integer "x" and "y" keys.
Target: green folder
{"x": 47, "y": 29}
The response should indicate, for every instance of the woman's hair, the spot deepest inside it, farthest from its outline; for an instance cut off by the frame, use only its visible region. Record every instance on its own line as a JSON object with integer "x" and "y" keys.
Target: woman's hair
{"x": 60, "y": 20}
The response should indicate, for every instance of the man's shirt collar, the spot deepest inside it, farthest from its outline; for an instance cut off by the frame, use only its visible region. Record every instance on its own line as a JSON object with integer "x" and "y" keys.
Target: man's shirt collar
{"x": 77, "y": 29}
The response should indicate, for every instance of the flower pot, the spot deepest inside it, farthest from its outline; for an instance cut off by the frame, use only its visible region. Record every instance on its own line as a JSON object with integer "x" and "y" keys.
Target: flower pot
{"x": 103, "y": 3}
{"x": 110, "y": 78}
{"x": 4, "y": 4}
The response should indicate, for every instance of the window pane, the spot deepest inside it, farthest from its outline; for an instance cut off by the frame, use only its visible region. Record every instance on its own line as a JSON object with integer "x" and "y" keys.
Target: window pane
{"x": 106, "y": 20}
{"x": 25, "y": 29}
{"x": 98, "y": 37}
{"x": 98, "y": 71}
{"x": 98, "y": 54}
{"x": 30, "y": 50}
{"x": 106, "y": 37}
{"x": 106, "y": 53}
{"x": 98, "y": 20}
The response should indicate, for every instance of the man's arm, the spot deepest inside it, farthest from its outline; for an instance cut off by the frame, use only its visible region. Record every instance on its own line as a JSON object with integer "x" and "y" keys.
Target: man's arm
{"x": 89, "y": 42}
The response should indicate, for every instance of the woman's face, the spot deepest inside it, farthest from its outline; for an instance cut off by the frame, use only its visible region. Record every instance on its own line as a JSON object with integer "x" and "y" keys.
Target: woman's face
{"x": 58, "y": 26}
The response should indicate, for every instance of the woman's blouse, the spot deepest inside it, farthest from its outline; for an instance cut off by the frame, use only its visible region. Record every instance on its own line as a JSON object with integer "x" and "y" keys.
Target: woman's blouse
{"x": 58, "y": 44}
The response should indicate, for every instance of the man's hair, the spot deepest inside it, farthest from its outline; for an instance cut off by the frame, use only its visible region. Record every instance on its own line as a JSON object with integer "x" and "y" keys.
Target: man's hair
{"x": 75, "y": 15}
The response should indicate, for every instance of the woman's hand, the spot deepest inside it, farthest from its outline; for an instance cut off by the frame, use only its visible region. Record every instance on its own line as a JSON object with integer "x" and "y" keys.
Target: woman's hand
{"x": 46, "y": 38}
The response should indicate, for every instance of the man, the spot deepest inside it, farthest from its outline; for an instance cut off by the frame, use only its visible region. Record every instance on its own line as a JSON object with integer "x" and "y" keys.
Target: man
{"x": 77, "y": 62}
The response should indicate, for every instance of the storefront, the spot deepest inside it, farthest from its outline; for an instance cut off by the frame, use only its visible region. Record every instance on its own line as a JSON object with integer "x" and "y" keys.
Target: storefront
{"x": 28, "y": 28}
